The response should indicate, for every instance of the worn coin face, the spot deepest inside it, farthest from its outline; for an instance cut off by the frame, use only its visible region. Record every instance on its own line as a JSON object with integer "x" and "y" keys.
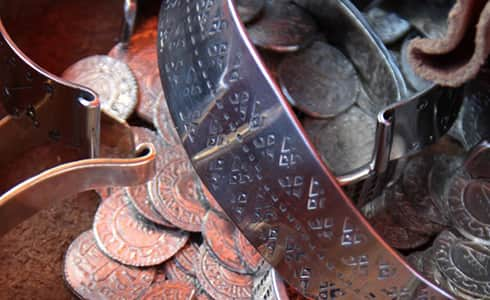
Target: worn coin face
{"x": 464, "y": 264}
{"x": 219, "y": 282}
{"x": 469, "y": 207}
{"x": 139, "y": 196}
{"x": 92, "y": 275}
{"x": 284, "y": 27}
{"x": 177, "y": 195}
{"x": 320, "y": 81}
{"x": 186, "y": 257}
{"x": 249, "y": 255}
{"x": 129, "y": 238}
{"x": 345, "y": 142}
{"x": 395, "y": 234}
{"x": 113, "y": 81}
{"x": 249, "y": 9}
{"x": 171, "y": 290}
{"x": 141, "y": 57}
{"x": 218, "y": 233}
{"x": 389, "y": 26}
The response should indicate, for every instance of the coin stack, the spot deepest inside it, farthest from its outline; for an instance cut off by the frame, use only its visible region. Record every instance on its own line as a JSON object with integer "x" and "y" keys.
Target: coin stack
{"x": 166, "y": 239}
{"x": 170, "y": 239}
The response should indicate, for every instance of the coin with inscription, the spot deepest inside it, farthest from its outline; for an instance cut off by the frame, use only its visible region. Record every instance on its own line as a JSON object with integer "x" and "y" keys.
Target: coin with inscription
{"x": 174, "y": 272}
{"x": 93, "y": 275}
{"x": 218, "y": 233}
{"x": 113, "y": 81}
{"x": 469, "y": 207}
{"x": 388, "y": 26}
{"x": 395, "y": 234}
{"x": 320, "y": 81}
{"x": 249, "y": 255}
{"x": 249, "y": 9}
{"x": 177, "y": 195}
{"x": 219, "y": 282}
{"x": 284, "y": 27}
{"x": 141, "y": 56}
{"x": 345, "y": 142}
{"x": 170, "y": 290}
{"x": 186, "y": 257}
{"x": 139, "y": 196}
{"x": 129, "y": 238}
{"x": 464, "y": 264}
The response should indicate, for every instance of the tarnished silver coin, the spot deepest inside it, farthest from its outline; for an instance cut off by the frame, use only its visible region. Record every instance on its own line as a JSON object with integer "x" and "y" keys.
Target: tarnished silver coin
{"x": 320, "y": 81}
{"x": 129, "y": 238}
{"x": 345, "y": 142}
{"x": 141, "y": 57}
{"x": 111, "y": 79}
{"x": 219, "y": 282}
{"x": 469, "y": 207}
{"x": 186, "y": 257}
{"x": 284, "y": 27}
{"x": 249, "y": 9}
{"x": 170, "y": 290}
{"x": 93, "y": 275}
{"x": 388, "y": 26}
{"x": 177, "y": 195}
{"x": 465, "y": 265}
{"x": 218, "y": 233}
{"x": 415, "y": 81}
{"x": 395, "y": 234}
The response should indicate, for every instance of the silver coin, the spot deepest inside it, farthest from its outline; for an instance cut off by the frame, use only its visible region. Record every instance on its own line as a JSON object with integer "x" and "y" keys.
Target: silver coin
{"x": 284, "y": 27}
{"x": 111, "y": 79}
{"x": 395, "y": 234}
{"x": 92, "y": 275}
{"x": 320, "y": 81}
{"x": 388, "y": 26}
{"x": 219, "y": 282}
{"x": 469, "y": 207}
{"x": 124, "y": 235}
{"x": 416, "y": 82}
{"x": 465, "y": 265}
{"x": 249, "y": 9}
{"x": 345, "y": 142}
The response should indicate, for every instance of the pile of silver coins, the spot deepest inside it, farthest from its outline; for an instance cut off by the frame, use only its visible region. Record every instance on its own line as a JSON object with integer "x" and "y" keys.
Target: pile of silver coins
{"x": 169, "y": 239}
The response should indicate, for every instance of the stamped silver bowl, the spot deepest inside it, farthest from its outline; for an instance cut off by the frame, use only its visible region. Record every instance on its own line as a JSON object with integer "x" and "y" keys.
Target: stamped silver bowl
{"x": 253, "y": 155}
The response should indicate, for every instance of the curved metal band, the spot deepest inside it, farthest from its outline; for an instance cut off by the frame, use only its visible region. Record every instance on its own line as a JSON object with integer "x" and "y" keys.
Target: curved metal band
{"x": 36, "y": 193}
{"x": 253, "y": 155}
